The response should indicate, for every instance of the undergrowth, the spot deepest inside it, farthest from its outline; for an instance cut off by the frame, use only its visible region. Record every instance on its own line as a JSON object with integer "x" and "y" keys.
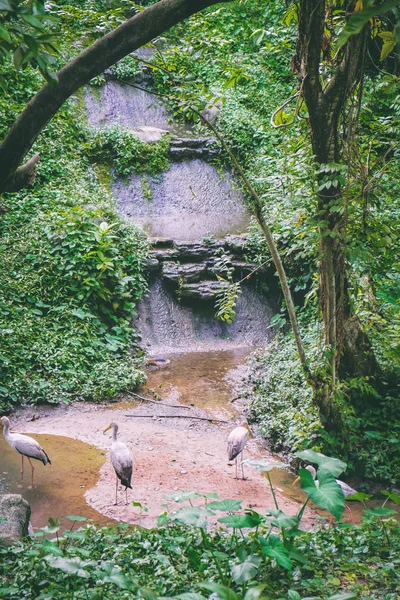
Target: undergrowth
{"x": 281, "y": 404}
{"x": 71, "y": 270}
{"x": 247, "y": 555}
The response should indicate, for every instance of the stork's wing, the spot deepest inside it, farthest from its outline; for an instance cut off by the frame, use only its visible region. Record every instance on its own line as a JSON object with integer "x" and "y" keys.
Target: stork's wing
{"x": 121, "y": 460}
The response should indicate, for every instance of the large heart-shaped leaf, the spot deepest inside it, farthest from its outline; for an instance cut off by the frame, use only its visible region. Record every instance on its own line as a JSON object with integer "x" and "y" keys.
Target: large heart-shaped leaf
{"x": 392, "y": 496}
{"x": 334, "y": 466}
{"x": 326, "y": 494}
{"x": 247, "y": 569}
{"x": 281, "y": 519}
{"x": 188, "y": 515}
{"x": 72, "y": 566}
{"x": 359, "y": 497}
{"x": 240, "y": 521}
{"x": 226, "y": 505}
{"x": 182, "y": 496}
{"x": 273, "y": 547}
{"x": 109, "y": 573}
{"x": 378, "y": 512}
{"x": 264, "y": 465}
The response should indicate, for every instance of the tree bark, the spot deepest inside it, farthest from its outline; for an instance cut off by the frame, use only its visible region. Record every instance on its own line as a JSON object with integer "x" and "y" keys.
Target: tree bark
{"x": 326, "y": 107}
{"x": 131, "y": 35}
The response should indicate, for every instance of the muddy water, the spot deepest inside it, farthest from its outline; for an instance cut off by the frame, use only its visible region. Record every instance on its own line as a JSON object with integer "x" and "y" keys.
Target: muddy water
{"x": 58, "y": 489}
{"x": 201, "y": 379}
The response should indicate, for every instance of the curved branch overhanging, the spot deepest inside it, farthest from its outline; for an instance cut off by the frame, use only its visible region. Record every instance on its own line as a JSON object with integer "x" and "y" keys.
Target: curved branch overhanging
{"x": 131, "y": 35}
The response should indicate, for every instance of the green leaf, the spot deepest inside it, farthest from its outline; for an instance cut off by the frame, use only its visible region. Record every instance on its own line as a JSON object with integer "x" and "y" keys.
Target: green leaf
{"x": 108, "y": 573}
{"x": 72, "y": 566}
{"x": 392, "y": 496}
{"x": 378, "y": 512}
{"x": 4, "y": 34}
{"x": 222, "y": 591}
{"x": 359, "y": 496}
{"x": 239, "y": 521}
{"x": 348, "y": 596}
{"x": 334, "y": 466}
{"x": 182, "y": 496}
{"x": 264, "y": 465}
{"x": 328, "y": 494}
{"x": 33, "y": 21}
{"x": 360, "y": 18}
{"x": 76, "y": 518}
{"x": 281, "y": 519}
{"x": 254, "y": 592}
{"x": 247, "y": 569}
{"x": 197, "y": 517}
{"x": 5, "y": 5}
{"x": 226, "y": 505}
{"x": 273, "y": 547}
{"x": 389, "y": 43}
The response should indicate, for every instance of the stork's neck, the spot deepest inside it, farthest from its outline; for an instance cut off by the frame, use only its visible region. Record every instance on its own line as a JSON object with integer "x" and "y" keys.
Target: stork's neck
{"x": 6, "y": 429}
{"x": 114, "y": 433}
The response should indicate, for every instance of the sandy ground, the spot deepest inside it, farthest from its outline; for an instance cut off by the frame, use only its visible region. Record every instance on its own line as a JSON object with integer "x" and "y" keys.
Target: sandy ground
{"x": 170, "y": 454}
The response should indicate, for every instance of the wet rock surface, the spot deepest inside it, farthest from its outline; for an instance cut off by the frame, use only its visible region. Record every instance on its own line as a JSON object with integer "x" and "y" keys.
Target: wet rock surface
{"x": 174, "y": 272}
{"x": 16, "y": 513}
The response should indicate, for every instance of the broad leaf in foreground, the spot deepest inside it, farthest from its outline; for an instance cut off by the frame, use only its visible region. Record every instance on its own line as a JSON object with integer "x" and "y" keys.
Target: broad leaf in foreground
{"x": 273, "y": 547}
{"x": 327, "y": 494}
{"x": 326, "y": 464}
{"x": 247, "y": 569}
{"x": 226, "y": 505}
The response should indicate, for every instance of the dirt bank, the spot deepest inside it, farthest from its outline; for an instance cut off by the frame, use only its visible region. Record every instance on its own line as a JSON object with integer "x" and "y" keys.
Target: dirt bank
{"x": 170, "y": 454}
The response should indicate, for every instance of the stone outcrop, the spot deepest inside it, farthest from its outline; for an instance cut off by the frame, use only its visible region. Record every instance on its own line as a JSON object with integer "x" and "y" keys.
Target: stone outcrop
{"x": 192, "y": 269}
{"x": 15, "y": 514}
{"x": 190, "y": 148}
{"x": 205, "y": 291}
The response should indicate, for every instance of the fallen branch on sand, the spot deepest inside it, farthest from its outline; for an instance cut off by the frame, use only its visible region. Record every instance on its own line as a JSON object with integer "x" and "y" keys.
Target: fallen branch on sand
{"x": 156, "y": 401}
{"x": 176, "y": 417}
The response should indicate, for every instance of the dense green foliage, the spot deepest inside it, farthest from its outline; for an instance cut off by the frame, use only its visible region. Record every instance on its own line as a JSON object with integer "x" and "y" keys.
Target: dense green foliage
{"x": 281, "y": 403}
{"x": 265, "y": 556}
{"x": 124, "y": 151}
{"x": 71, "y": 269}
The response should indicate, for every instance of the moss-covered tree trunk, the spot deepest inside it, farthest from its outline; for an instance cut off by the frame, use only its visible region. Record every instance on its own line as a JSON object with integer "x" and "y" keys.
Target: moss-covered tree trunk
{"x": 326, "y": 106}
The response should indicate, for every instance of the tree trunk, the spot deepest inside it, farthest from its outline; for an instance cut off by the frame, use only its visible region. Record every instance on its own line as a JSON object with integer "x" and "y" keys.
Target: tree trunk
{"x": 326, "y": 107}
{"x": 131, "y": 35}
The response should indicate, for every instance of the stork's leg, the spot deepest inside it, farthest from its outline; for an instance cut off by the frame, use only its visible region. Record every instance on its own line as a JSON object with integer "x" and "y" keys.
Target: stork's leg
{"x": 126, "y": 495}
{"x": 33, "y": 468}
{"x": 116, "y": 490}
{"x": 22, "y": 468}
{"x": 351, "y": 514}
{"x": 236, "y": 476}
{"x": 241, "y": 456}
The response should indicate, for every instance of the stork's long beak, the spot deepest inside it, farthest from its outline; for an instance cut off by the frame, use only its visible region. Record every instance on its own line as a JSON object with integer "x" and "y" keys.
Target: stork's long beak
{"x": 296, "y": 480}
{"x": 107, "y": 428}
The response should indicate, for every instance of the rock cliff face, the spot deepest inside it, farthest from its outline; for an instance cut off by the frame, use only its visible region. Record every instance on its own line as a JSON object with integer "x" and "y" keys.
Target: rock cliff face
{"x": 15, "y": 514}
{"x": 195, "y": 216}
{"x": 192, "y": 269}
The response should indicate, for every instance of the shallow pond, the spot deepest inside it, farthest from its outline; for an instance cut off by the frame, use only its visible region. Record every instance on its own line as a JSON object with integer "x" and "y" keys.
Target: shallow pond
{"x": 58, "y": 489}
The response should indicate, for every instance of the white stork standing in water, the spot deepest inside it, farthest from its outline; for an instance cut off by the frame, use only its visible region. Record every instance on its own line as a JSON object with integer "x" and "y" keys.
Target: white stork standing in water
{"x": 121, "y": 460}
{"x": 25, "y": 446}
{"x": 237, "y": 440}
